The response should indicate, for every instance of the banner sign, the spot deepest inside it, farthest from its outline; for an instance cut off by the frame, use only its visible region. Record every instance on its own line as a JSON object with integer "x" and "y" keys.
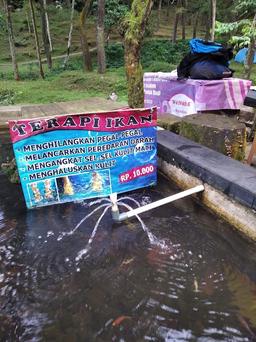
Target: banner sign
{"x": 189, "y": 96}
{"x": 74, "y": 157}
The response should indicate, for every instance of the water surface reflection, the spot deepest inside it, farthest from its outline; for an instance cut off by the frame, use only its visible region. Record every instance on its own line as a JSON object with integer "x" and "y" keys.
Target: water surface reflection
{"x": 202, "y": 288}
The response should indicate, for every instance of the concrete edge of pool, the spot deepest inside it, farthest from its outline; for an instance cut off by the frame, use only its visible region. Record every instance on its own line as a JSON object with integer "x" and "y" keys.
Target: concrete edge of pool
{"x": 230, "y": 186}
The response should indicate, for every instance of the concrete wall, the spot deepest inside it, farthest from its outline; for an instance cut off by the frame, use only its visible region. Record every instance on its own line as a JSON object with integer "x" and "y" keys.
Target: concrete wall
{"x": 230, "y": 186}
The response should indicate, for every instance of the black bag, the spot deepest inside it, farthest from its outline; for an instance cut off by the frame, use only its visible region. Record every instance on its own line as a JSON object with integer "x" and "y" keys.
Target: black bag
{"x": 211, "y": 66}
{"x": 209, "y": 70}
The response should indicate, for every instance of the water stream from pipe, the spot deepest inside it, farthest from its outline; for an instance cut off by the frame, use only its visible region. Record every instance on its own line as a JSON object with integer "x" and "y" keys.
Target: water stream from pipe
{"x": 152, "y": 238}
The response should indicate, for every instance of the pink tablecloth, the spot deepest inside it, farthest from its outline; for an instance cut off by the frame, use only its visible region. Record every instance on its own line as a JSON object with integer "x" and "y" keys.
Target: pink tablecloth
{"x": 191, "y": 96}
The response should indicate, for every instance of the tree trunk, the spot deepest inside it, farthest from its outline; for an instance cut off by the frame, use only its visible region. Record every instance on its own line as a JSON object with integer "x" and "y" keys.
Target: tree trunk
{"x": 87, "y": 60}
{"x": 139, "y": 15}
{"x": 27, "y": 17}
{"x": 45, "y": 35}
{"x": 11, "y": 40}
{"x": 36, "y": 39}
{"x": 47, "y": 25}
{"x": 183, "y": 21}
{"x": 248, "y": 63}
{"x": 183, "y": 26}
{"x": 101, "y": 38}
{"x": 213, "y": 3}
{"x": 195, "y": 25}
{"x": 159, "y": 14}
{"x": 175, "y": 28}
{"x": 207, "y": 30}
{"x": 70, "y": 34}
{"x": 168, "y": 9}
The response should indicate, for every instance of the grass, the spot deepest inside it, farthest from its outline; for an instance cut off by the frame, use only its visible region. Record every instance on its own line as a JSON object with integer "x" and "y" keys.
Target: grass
{"x": 75, "y": 85}
{"x": 67, "y": 86}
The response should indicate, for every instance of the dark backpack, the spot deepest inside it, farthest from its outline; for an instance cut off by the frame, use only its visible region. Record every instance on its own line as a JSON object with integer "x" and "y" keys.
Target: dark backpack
{"x": 207, "y": 60}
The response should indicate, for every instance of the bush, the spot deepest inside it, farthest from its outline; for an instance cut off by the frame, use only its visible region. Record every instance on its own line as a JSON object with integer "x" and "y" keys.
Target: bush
{"x": 115, "y": 55}
{"x": 153, "y": 52}
{"x": 163, "y": 50}
{"x": 160, "y": 66}
{"x": 7, "y": 97}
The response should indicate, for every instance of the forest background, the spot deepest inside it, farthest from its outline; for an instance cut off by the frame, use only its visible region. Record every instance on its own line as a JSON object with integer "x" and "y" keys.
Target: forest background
{"x": 68, "y": 50}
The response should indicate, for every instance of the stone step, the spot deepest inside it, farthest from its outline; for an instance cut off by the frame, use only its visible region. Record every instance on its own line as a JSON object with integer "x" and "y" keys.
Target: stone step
{"x": 221, "y": 133}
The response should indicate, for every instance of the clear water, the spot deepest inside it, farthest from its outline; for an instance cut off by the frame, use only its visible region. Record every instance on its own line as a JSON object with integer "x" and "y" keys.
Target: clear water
{"x": 201, "y": 288}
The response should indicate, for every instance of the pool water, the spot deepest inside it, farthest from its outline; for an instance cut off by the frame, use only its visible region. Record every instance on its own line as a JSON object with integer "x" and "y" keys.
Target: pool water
{"x": 202, "y": 287}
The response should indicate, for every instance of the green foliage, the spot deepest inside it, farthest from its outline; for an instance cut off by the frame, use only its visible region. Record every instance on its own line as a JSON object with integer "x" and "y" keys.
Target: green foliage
{"x": 7, "y": 97}
{"x": 133, "y": 20}
{"x": 160, "y": 66}
{"x": 114, "y": 55}
{"x": 245, "y": 7}
{"x": 115, "y": 11}
{"x": 229, "y": 28}
{"x": 163, "y": 50}
{"x": 154, "y": 54}
{"x": 238, "y": 33}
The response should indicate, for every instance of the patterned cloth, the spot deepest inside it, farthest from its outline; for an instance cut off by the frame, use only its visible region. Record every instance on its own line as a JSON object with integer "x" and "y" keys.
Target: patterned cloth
{"x": 184, "y": 97}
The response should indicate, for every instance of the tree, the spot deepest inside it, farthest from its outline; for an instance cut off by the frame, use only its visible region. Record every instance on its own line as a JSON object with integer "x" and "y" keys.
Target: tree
{"x": 36, "y": 39}
{"x": 251, "y": 50}
{"x": 115, "y": 13}
{"x": 195, "y": 24}
{"x": 176, "y": 21}
{"x": 183, "y": 21}
{"x": 159, "y": 13}
{"x": 11, "y": 40}
{"x": 87, "y": 60}
{"x": 47, "y": 25}
{"x": 179, "y": 14}
{"x": 45, "y": 34}
{"x": 213, "y": 6}
{"x": 136, "y": 21}
{"x": 242, "y": 32}
{"x": 70, "y": 34}
{"x": 101, "y": 57}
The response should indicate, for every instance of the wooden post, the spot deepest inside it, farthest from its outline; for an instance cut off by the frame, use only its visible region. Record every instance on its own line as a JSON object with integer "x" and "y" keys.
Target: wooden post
{"x": 252, "y": 151}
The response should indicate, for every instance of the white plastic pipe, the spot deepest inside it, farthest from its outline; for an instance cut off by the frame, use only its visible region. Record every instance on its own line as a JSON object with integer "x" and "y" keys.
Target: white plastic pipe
{"x": 160, "y": 202}
{"x": 114, "y": 207}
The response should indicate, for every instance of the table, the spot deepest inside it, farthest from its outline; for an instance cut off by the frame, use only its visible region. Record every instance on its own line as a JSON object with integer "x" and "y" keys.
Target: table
{"x": 185, "y": 97}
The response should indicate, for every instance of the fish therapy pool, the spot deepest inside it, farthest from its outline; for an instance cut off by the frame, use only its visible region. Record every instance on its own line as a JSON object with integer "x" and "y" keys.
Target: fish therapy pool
{"x": 200, "y": 287}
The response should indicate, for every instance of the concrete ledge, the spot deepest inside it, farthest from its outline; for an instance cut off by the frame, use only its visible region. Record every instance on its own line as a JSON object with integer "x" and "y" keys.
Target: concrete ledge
{"x": 234, "y": 179}
{"x": 230, "y": 186}
{"x": 242, "y": 218}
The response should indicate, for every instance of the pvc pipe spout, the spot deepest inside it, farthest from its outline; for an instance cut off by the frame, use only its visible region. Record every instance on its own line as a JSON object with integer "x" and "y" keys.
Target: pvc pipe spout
{"x": 169, "y": 199}
{"x": 114, "y": 208}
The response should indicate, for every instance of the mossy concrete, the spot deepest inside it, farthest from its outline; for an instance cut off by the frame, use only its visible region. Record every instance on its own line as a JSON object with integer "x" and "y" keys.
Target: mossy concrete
{"x": 218, "y": 132}
{"x": 246, "y": 114}
{"x": 170, "y": 122}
